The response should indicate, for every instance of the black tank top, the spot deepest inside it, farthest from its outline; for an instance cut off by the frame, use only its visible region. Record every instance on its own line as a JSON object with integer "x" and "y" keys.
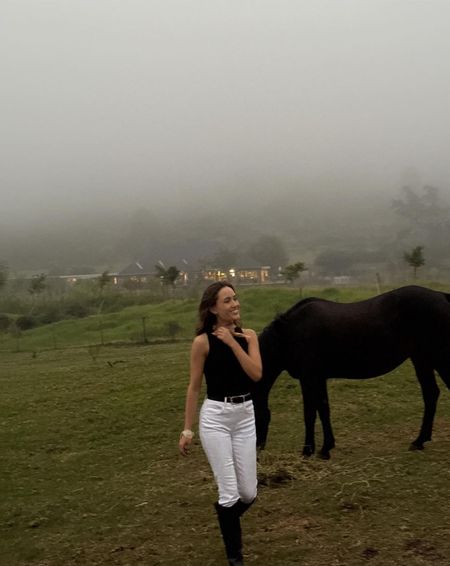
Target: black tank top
{"x": 223, "y": 373}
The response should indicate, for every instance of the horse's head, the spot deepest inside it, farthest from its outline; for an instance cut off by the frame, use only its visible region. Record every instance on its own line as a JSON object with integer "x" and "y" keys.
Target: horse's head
{"x": 271, "y": 345}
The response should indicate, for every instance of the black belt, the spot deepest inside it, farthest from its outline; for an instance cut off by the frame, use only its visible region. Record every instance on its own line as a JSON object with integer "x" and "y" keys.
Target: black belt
{"x": 233, "y": 399}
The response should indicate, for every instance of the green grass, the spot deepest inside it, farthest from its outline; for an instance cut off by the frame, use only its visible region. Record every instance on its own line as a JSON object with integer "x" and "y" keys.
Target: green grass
{"x": 80, "y": 442}
{"x": 124, "y": 326}
{"x": 90, "y": 473}
{"x": 259, "y": 306}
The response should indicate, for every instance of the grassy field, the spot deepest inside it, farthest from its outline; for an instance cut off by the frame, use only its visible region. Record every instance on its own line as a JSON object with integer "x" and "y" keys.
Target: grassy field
{"x": 261, "y": 304}
{"x": 90, "y": 473}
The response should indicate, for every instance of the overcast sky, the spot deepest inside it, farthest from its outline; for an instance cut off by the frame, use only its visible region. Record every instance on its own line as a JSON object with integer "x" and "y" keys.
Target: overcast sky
{"x": 108, "y": 103}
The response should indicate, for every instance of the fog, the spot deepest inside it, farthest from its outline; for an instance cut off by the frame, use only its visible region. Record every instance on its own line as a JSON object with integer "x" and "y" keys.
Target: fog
{"x": 215, "y": 115}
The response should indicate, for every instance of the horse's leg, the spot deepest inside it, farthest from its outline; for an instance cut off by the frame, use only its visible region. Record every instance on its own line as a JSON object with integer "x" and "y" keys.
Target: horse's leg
{"x": 262, "y": 417}
{"x": 309, "y": 415}
{"x": 323, "y": 408}
{"x": 430, "y": 394}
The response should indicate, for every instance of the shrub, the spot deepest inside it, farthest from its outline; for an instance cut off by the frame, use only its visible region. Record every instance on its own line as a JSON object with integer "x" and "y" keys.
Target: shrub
{"x": 5, "y": 322}
{"x": 25, "y": 322}
{"x": 49, "y": 314}
{"x": 14, "y": 304}
{"x": 76, "y": 309}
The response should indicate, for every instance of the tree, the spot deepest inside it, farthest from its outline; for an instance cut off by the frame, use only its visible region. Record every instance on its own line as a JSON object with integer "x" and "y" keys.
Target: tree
{"x": 37, "y": 284}
{"x": 269, "y": 250}
{"x": 5, "y": 322}
{"x": 292, "y": 272}
{"x": 103, "y": 280}
{"x": 167, "y": 276}
{"x": 415, "y": 258}
{"x": 420, "y": 209}
{"x": 423, "y": 217}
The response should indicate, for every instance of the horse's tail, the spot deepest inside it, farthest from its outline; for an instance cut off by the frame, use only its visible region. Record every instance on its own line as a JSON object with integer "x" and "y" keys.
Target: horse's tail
{"x": 443, "y": 371}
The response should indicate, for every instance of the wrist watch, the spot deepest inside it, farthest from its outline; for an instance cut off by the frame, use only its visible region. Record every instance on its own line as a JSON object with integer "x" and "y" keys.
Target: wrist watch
{"x": 187, "y": 433}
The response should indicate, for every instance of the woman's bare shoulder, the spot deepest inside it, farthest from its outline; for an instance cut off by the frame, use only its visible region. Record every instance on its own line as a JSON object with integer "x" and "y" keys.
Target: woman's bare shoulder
{"x": 200, "y": 343}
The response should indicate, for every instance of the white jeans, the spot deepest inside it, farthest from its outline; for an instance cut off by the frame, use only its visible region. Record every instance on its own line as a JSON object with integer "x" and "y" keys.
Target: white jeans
{"x": 228, "y": 437}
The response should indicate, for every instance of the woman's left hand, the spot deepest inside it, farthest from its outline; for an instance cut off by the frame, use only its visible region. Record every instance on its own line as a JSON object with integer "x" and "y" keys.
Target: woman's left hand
{"x": 248, "y": 337}
{"x": 184, "y": 445}
{"x": 224, "y": 334}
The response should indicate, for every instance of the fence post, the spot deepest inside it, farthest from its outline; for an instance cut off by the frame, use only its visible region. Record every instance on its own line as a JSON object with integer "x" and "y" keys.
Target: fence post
{"x": 378, "y": 278}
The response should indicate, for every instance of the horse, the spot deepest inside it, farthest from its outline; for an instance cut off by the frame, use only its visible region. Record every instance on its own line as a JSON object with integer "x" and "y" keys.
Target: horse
{"x": 317, "y": 339}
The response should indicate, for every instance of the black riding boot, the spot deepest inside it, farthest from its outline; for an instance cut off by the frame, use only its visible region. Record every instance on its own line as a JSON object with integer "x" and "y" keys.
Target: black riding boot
{"x": 242, "y": 507}
{"x": 230, "y": 527}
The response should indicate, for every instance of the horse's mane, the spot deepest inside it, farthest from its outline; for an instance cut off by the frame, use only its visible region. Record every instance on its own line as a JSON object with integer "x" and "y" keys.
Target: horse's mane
{"x": 283, "y": 318}
{"x": 292, "y": 310}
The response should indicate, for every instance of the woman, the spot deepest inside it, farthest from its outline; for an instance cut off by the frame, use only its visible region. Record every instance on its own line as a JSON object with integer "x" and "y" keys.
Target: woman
{"x": 228, "y": 356}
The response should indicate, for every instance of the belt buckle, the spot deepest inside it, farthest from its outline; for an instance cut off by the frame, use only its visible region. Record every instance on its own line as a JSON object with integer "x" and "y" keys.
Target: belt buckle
{"x": 234, "y": 397}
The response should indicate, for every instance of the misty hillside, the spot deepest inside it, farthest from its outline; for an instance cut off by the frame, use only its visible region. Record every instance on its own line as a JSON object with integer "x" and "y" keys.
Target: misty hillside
{"x": 365, "y": 225}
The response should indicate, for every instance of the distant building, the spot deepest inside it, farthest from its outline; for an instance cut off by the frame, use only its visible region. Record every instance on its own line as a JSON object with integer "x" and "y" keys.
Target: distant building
{"x": 252, "y": 274}
{"x": 72, "y": 279}
{"x": 193, "y": 259}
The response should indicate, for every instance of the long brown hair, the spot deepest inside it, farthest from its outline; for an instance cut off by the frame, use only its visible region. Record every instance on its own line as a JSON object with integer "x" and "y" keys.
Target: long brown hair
{"x": 206, "y": 319}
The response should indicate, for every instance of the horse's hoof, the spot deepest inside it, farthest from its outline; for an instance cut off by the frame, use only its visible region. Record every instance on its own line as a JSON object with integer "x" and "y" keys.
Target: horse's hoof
{"x": 324, "y": 455}
{"x": 413, "y": 447}
{"x": 307, "y": 452}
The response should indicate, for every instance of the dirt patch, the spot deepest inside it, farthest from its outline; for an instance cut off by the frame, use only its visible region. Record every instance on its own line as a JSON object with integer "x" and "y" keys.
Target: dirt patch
{"x": 424, "y": 549}
{"x": 370, "y": 552}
